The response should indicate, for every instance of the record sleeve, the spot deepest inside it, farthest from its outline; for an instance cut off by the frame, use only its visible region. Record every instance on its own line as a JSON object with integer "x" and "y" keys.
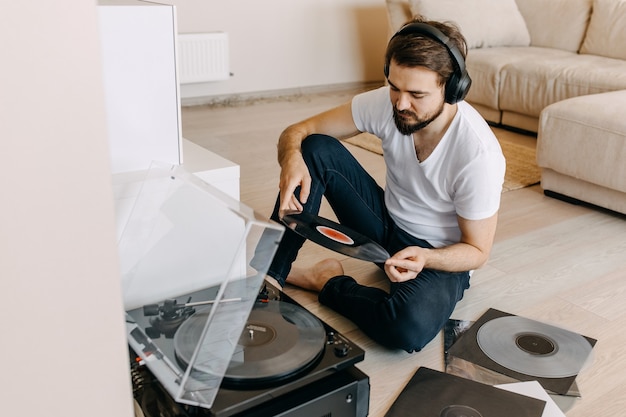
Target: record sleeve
{"x": 436, "y": 394}
{"x": 535, "y": 390}
{"x": 501, "y": 347}
{"x": 452, "y": 330}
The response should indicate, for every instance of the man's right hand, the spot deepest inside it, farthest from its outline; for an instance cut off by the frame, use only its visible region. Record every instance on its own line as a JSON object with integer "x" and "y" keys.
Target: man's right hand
{"x": 294, "y": 173}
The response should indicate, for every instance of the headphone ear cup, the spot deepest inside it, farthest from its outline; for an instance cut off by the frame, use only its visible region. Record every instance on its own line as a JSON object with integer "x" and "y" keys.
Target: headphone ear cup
{"x": 457, "y": 87}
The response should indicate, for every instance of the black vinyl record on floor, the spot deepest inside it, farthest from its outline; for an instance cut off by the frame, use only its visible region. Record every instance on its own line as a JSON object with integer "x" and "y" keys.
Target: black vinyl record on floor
{"x": 335, "y": 236}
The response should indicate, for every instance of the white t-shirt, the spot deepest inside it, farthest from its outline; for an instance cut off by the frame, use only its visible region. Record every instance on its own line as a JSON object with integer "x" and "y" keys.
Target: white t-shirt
{"x": 462, "y": 176}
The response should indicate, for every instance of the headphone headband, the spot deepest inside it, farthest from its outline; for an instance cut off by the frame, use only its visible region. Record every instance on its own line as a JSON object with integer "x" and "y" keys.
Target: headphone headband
{"x": 459, "y": 82}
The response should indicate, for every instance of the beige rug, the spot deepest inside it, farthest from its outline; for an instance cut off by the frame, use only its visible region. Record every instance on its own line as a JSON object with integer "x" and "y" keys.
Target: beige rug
{"x": 521, "y": 167}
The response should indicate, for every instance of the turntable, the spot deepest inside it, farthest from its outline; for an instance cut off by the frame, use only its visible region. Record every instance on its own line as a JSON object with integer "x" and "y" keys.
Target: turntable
{"x": 211, "y": 337}
{"x": 285, "y": 355}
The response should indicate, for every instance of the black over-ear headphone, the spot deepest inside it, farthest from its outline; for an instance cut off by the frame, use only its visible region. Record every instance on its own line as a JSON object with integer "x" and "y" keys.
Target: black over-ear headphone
{"x": 459, "y": 82}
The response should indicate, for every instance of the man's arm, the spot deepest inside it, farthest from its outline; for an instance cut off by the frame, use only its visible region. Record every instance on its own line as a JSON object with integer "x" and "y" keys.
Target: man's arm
{"x": 470, "y": 253}
{"x": 336, "y": 122}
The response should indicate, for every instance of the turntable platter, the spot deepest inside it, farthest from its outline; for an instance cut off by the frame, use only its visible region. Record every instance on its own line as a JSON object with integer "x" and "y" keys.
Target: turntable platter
{"x": 280, "y": 340}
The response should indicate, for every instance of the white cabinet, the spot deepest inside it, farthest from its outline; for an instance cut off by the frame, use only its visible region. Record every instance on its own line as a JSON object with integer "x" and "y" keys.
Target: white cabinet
{"x": 212, "y": 168}
{"x": 138, "y": 41}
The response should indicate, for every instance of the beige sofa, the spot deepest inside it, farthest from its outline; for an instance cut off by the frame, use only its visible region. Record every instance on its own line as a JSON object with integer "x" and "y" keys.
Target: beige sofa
{"x": 527, "y": 54}
{"x": 554, "y": 67}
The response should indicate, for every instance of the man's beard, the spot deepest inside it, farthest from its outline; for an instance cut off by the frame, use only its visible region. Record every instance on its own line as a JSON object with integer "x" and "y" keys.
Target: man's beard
{"x": 414, "y": 123}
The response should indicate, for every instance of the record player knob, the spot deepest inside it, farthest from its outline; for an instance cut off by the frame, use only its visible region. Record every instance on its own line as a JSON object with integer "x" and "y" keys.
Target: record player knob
{"x": 341, "y": 349}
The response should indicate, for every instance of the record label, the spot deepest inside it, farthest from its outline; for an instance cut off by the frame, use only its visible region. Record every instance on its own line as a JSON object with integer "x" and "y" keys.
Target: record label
{"x": 460, "y": 411}
{"x": 335, "y": 235}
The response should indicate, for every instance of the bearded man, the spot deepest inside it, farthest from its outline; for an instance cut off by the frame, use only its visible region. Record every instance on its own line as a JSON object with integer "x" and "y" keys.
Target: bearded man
{"x": 438, "y": 212}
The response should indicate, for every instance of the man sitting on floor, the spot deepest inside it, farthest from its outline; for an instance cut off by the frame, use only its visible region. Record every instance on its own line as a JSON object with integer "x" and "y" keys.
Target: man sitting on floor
{"x": 438, "y": 213}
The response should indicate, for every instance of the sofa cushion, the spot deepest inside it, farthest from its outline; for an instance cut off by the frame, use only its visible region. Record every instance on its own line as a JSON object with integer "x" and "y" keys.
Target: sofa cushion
{"x": 484, "y": 23}
{"x": 485, "y": 66}
{"x": 558, "y": 24}
{"x": 606, "y": 35}
{"x": 528, "y": 86}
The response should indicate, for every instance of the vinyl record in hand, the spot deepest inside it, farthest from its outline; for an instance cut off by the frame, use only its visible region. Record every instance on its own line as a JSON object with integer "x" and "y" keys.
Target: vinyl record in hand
{"x": 335, "y": 236}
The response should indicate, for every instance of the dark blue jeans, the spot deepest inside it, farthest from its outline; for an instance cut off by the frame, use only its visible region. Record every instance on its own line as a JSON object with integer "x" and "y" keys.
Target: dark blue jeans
{"x": 411, "y": 314}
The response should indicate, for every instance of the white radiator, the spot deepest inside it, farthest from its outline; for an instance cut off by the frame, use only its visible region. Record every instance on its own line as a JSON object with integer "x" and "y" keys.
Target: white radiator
{"x": 203, "y": 57}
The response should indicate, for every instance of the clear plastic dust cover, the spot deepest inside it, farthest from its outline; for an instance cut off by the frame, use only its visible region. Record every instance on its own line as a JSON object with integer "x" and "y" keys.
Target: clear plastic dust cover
{"x": 190, "y": 251}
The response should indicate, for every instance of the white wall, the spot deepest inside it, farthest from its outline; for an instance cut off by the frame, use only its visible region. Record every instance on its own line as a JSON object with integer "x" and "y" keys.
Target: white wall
{"x": 63, "y": 350}
{"x": 288, "y": 44}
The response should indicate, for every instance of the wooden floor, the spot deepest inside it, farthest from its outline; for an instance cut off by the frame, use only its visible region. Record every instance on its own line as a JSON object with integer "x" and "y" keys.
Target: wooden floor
{"x": 559, "y": 263}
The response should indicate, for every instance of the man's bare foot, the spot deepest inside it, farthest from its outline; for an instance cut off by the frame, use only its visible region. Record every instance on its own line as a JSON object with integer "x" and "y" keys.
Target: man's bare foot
{"x": 316, "y": 277}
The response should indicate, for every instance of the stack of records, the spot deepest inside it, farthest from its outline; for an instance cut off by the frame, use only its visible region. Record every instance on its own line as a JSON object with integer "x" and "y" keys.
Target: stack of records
{"x": 501, "y": 365}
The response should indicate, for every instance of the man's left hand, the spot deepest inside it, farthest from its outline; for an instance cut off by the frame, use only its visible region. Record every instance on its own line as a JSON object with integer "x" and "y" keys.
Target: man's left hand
{"x": 406, "y": 264}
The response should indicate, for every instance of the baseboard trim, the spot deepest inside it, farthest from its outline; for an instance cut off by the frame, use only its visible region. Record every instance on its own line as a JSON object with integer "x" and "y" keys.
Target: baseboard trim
{"x": 233, "y": 100}
{"x": 577, "y": 202}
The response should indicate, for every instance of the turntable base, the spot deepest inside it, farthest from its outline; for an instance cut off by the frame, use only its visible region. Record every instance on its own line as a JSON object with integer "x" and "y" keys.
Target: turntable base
{"x": 344, "y": 393}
